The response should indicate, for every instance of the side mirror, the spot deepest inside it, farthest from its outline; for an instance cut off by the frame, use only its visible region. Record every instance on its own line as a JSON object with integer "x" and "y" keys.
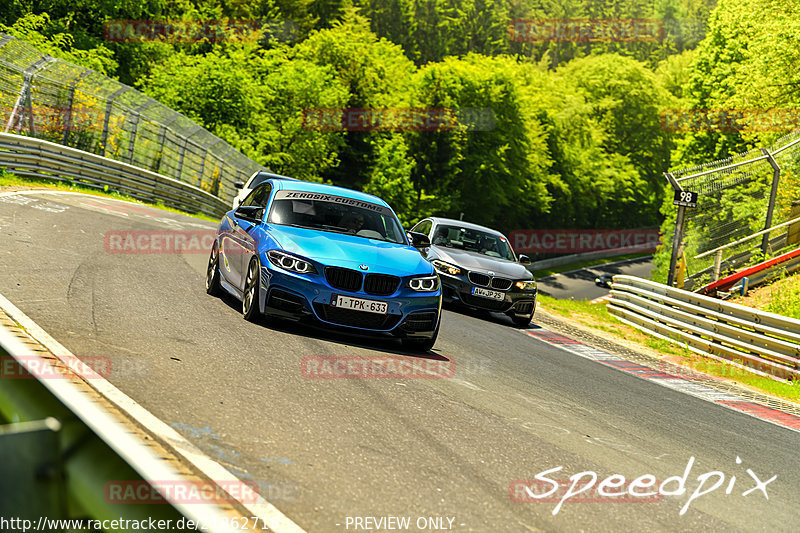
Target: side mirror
{"x": 238, "y": 184}
{"x": 419, "y": 240}
{"x": 524, "y": 260}
{"x": 252, "y": 213}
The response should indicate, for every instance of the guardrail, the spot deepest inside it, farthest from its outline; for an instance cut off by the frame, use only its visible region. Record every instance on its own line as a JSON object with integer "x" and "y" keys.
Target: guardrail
{"x": 64, "y": 446}
{"x": 762, "y": 342}
{"x": 28, "y": 156}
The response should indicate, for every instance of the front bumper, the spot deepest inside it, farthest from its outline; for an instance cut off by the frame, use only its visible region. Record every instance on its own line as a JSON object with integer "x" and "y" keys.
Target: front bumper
{"x": 308, "y": 297}
{"x": 457, "y": 289}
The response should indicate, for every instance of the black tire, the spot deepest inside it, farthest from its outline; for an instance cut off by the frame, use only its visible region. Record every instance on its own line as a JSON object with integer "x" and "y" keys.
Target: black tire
{"x": 212, "y": 273}
{"x": 252, "y": 288}
{"x": 523, "y": 321}
{"x": 422, "y": 345}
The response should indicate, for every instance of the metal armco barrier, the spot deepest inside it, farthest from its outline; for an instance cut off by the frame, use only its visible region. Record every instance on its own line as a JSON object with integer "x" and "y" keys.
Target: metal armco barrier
{"x": 28, "y": 156}
{"x": 65, "y": 446}
{"x": 766, "y": 343}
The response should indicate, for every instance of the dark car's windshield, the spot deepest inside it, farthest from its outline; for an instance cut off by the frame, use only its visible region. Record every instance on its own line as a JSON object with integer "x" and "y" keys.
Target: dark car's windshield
{"x": 337, "y": 214}
{"x": 473, "y": 240}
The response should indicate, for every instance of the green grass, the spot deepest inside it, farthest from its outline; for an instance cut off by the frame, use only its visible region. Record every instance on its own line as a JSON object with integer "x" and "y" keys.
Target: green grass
{"x": 786, "y": 302}
{"x": 596, "y": 316}
{"x": 588, "y": 263}
{"x": 8, "y": 179}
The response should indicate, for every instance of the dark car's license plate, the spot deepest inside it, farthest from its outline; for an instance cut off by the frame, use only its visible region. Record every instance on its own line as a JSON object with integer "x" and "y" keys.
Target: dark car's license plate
{"x": 486, "y": 293}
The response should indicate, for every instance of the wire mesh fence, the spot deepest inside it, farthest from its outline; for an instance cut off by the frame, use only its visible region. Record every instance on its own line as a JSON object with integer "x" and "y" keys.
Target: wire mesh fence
{"x": 738, "y": 197}
{"x": 71, "y": 105}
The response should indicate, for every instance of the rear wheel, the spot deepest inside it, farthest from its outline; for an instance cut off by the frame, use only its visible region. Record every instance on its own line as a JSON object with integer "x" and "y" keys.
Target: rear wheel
{"x": 252, "y": 286}
{"x": 212, "y": 273}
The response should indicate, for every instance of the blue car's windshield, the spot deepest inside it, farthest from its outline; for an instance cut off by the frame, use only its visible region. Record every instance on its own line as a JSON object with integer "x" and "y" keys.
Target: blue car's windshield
{"x": 336, "y": 214}
{"x": 473, "y": 240}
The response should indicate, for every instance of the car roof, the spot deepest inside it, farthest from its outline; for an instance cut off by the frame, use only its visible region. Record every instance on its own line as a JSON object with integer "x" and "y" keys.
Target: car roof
{"x": 292, "y": 184}
{"x": 460, "y": 223}
{"x": 271, "y": 175}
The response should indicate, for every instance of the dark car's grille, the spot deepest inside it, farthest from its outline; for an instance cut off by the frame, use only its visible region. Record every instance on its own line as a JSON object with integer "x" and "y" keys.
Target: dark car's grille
{"x": 479, "y": 279}
{"x": 484, "y": 303}
{"x": 501, "y": 284}
{"x": 420, "y": 322}
{"x": 343, "y": 278}
{"x": 484, "y": 280}
{"x": 381, "y": 284}
{"x": 357, "y": 319}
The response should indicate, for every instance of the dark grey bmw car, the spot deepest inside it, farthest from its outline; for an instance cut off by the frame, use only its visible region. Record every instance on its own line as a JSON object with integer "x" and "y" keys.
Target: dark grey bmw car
{"x": 479, "y": 269}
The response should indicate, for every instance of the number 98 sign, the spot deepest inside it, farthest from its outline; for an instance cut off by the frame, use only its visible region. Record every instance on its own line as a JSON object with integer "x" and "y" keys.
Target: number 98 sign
{"x": 685, "y": 198}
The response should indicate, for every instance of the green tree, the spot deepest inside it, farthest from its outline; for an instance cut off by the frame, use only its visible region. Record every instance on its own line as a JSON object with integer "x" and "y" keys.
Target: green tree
{"x": 626, "y": 99}
{"x": 495, "y": 173}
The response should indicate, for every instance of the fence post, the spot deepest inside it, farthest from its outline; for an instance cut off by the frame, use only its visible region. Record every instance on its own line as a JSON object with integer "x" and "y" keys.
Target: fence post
{"x": 25, "y": 93}
{"x": 677, "y": 239}
{"x": 183, "y": 149}
{"x": 773, "y": 194}
{"x": 70, "y": 104}
{"x": 793, "y": 234}
{"x": 137, "y": 115}
{"x": 109, "y": 103}
{"x": 717, "y": 264}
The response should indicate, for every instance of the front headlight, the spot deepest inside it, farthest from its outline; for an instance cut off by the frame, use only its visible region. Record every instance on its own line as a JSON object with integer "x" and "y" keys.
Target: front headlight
{"x": 424, "y": 283}
{"x": 446, "y": 268}
{"x": 526, "y": 285}
{"x": 290, "y": 262}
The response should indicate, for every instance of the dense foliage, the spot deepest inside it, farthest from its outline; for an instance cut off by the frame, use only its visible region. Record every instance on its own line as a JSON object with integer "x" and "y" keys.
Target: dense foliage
{"x": 571, "y": 133}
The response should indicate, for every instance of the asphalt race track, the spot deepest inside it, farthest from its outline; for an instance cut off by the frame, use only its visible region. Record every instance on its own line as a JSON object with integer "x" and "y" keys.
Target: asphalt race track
{"x": 323, "y": 450}
{"x": 579, "y": 284}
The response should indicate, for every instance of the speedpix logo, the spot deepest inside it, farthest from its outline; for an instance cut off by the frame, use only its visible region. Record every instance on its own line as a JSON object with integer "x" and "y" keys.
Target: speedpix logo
{"x": 584, "y": 487}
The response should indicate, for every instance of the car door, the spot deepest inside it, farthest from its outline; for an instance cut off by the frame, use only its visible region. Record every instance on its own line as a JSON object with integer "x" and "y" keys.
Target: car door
{"x": 241, "y": 244}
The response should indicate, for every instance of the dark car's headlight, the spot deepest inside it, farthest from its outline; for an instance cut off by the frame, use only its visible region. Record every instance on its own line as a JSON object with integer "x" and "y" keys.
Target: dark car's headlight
{"x": 424, "y": 283}
{"x": 446, "y": 268}
{"x": 526, "y": 285}
{"x": 290, "y": 262}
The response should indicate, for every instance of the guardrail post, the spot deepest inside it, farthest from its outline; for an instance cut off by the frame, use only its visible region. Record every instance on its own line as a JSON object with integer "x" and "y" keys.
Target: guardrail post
{"x": 773, "y": 193}
{"x": 717, "y": 264}
{"x": 33, "y": 481}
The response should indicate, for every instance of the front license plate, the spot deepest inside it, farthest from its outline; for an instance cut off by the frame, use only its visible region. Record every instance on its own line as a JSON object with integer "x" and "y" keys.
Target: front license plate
{"x": 486, "y": 293}
{"x": 360, "y": 304}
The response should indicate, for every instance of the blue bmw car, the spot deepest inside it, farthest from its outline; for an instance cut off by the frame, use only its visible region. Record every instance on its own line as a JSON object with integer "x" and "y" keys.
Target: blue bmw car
{"x": 307, "y": 251}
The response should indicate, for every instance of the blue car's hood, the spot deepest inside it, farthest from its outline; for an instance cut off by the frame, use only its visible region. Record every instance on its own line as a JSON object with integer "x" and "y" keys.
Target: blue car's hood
{"x": 350, "y": 251}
